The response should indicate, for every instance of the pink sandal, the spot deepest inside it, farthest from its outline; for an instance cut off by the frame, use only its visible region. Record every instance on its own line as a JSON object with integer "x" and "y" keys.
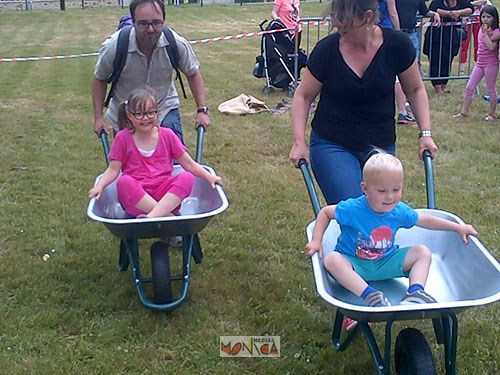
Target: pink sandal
{"x": 349, "y": 324}
{"x": 460, "y": 115}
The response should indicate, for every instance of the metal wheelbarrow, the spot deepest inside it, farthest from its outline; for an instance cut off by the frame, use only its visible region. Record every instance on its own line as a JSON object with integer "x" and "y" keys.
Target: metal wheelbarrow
{"x": 452, "y": 281}
{"x": 195, "y": 213}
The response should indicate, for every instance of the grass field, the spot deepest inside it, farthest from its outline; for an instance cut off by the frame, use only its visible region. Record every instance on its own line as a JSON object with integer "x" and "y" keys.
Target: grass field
{"x": 76, "y": 314}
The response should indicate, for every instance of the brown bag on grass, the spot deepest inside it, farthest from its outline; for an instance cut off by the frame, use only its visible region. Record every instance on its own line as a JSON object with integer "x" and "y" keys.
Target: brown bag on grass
{"x": 243, "y": 105}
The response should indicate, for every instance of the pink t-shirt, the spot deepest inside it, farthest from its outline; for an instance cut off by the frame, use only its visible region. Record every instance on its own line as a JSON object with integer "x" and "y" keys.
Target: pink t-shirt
{"x": 149, "y": 171}
{"x": 289, "y": 12}
{"x": 485, "y": 57}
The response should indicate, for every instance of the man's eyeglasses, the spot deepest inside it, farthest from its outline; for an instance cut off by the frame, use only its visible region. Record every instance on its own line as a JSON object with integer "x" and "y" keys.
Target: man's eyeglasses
{"x": 149, "y": 114}
{"x": 144, "y": 25}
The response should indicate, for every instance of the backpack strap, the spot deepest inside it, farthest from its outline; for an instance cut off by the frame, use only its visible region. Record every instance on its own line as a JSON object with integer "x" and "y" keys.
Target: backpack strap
{"x": 121, "y": 58}
{"x": 119, "y": 61}
{"x": 173, "y": 55}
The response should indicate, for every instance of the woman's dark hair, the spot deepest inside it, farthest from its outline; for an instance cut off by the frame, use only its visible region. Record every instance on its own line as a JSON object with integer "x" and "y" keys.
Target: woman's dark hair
{"x": 159, "y": 4}
{"x": 138, "y": 101}
{"x": 492, "y": 11}
{"x": 346, "y": 11}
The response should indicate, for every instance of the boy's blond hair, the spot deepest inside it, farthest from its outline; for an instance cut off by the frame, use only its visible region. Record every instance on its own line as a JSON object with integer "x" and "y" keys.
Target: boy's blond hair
{"x": 381, "y": 162}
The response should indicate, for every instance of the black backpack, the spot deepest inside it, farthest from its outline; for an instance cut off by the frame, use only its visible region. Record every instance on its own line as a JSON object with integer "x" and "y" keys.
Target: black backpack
{"x": 122, "y": 52}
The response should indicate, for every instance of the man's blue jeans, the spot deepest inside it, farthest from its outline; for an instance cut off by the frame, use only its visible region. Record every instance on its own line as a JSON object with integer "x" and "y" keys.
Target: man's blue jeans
{"x": 172, "y": 120}
{"x": 338, "y": 170}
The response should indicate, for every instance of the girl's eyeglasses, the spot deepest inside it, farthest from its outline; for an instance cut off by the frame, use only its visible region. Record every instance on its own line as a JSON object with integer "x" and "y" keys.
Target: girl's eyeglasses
{"x": 149, "y": 114}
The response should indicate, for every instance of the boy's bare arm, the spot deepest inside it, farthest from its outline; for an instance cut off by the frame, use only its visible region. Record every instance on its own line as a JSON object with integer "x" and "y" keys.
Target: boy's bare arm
{"x": 326, "y": 214}
{"x": 436, "y": 223}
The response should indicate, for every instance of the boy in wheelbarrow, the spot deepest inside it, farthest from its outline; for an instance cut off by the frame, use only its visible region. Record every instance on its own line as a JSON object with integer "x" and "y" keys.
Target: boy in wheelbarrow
{"x": 365, "y": 248}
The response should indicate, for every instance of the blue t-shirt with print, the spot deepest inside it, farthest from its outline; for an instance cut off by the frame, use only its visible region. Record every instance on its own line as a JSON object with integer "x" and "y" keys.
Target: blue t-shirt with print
{"x": 367, "y": 234}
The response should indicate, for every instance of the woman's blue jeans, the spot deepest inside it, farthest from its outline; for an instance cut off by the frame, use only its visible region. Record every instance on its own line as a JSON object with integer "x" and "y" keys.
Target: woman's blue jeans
{"x": 338, "y": 170}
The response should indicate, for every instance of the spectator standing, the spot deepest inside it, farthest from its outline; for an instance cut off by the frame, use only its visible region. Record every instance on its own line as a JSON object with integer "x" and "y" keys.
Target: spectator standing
{"x": 473, "y": 27}
{"x": 388, "y": 16}
{"x": 407, "y": 12}
{"x": 487, "y": 62}
{"x": 289, "y": 12}
{"x": 442, "y": 43}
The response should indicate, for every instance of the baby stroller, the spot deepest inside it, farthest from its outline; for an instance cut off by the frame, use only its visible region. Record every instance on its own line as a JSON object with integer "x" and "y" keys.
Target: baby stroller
{"x": 277, "y": 60}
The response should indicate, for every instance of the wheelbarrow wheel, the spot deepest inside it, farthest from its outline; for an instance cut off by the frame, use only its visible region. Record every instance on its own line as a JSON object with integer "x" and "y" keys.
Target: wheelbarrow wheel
{"x": 412, "y": 354}
{"x": 160, "y": 267}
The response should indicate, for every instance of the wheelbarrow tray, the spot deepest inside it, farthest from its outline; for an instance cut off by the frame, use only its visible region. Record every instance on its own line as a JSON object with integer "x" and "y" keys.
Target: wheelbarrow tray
{"x": 461, "y": 276}
{"x": 196, "y": 211}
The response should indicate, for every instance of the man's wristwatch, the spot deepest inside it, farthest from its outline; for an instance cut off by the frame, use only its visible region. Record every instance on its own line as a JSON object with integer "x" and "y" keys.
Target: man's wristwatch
{"x": 203, "y": 110}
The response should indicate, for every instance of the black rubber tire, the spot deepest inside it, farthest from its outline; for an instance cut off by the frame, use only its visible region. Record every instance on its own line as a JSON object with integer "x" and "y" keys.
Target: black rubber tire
{"x": 412, "y": 354}
{"x": 160, "y": 267}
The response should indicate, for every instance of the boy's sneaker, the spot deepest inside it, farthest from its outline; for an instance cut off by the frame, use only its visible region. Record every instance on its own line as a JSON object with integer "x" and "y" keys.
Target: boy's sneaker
{"x": 420, "y": 296}
{"x": 377, "y": 299}
{"x": 405, "y": 119}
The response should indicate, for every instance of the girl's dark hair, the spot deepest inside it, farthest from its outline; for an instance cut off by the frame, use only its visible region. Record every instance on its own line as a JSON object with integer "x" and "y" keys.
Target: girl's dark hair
{"x": 492, "y": 11}
{"x": 346, "y": 11}
{"x": 159, "y": 4}
{"x": 138, "y": 101}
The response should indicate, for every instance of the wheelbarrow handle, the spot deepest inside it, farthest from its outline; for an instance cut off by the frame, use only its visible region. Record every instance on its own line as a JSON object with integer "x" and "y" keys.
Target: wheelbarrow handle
{"x": 429, "y": 179}
{"x": 311, "y": 189}
{"x": 200, "y": 129}
{"x": 105, "y": 144}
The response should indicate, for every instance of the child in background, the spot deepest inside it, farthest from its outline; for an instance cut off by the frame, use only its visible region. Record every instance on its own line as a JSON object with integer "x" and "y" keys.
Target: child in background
{"x": 487, "y": 63}
{"x": 144, "y": 152}
{"x": 473, "y": 27}
{"x": 365, "y": 248}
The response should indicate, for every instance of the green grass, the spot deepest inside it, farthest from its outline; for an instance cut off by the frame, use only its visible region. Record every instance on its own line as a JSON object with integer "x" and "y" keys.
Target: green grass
{"x": 76, "y": 314}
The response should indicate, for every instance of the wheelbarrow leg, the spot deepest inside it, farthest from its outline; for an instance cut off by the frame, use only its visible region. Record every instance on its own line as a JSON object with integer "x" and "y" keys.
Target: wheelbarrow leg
{"x": 196, "y": 250}
{"x": 132, "y": 249}
{"x": 338, "y": 344}
{"x": 382, "y": 368}
{"x": 123, "y": 261}
{"x": 450, "y": 330}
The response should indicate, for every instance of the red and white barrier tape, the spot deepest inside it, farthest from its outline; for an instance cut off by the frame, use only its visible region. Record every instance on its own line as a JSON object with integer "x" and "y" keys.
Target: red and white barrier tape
{"x": 38, "y": 58}
{"x": 216, "y": 39}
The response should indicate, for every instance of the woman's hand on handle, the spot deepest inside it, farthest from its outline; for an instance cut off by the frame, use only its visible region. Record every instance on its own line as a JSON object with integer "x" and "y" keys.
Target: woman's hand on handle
{"x": 298, "y": 152}
{"x": 427, "y": 143}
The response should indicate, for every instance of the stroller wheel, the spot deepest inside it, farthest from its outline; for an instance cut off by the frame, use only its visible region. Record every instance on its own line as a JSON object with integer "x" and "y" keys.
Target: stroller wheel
{"x": 268, "y": 89}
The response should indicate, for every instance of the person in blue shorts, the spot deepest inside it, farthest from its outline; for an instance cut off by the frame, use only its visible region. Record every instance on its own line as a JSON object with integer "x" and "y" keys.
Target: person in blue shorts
{"x": 365, "y": 249}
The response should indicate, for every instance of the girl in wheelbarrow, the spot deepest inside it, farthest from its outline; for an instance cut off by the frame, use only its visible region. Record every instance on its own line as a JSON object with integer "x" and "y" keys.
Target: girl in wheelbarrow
{"x": 144, "y": 152}
{"x": 365, "y": 249}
